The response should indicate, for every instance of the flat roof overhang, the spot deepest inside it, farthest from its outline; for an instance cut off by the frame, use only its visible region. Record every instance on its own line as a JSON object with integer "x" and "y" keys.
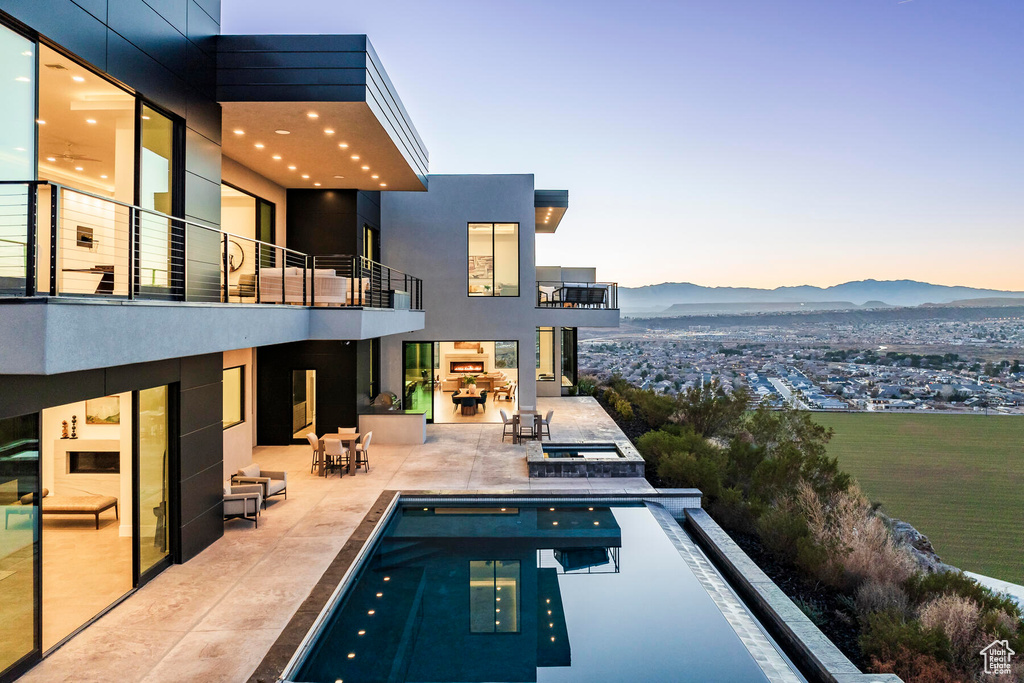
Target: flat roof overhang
{"x": 550, "y": 206}
{"x": 333, "y": 98}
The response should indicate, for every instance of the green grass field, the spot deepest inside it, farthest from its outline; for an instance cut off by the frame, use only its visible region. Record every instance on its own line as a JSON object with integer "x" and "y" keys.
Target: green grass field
{"x": 958, "y": 478}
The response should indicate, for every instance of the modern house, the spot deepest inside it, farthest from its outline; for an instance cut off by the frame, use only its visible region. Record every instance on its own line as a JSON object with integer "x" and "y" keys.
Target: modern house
{"x": 209, "y": 243}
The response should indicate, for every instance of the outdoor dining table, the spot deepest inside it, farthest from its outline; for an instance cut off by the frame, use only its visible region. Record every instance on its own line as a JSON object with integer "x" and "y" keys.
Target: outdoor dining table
{"x": 347, "y": 438}
{"x": 517, "y": 425}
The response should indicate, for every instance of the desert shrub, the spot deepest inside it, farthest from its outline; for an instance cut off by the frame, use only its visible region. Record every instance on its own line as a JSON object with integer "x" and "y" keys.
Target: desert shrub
{"x": 812, "y": 610}
{"x": 625, "y": 409}
{"x": 731, "y": 510}
{"x": 655, "y": 408}
{"x": 688, "y": 469}
{"x": 922, "y": 587}
{"x": 783, "y": 529}
{"x": 958, "y": 617}
{"x": 710, "y": 411}
{"x": 655, "y": 445}
{"x": 885, "y": 633}
{"x": 881, "y": 596}
{"x": 586, "y": 385}
{"x": 857, "y": 545}
{"x": 914, "y": 667}
{"x": 619, "y": 384}
{"x": 611, "y": 397}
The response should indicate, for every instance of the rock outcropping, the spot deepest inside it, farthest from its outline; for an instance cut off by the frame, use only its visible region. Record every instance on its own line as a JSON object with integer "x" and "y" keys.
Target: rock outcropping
{"x": 920, "y": 547}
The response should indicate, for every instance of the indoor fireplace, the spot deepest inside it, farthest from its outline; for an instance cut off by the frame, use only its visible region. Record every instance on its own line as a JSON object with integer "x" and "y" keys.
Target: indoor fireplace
{"x": 472, "y": 366}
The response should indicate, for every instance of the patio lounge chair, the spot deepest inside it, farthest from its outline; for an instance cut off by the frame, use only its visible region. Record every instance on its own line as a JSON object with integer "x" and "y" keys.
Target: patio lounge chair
{"x": 243, "y": 502}
{"x": 274, "y": 483}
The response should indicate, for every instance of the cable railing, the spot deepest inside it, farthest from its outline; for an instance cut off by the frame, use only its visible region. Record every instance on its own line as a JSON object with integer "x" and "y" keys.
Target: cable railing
{"x": 60, "y": 241}
{"x": 565, "y": 294}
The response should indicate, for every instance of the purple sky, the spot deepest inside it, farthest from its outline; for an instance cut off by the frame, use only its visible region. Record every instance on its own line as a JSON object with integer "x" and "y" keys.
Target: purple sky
{"x": 723, "y": 142}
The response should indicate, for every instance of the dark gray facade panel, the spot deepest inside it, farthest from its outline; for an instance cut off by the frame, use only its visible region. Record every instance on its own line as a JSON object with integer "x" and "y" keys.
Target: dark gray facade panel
{"x": 291, "y": 93}
{"x": 140, "y": 71}
{"x": 202, "y": 29}
{"x": 292, "y": 43}
{"x": 368, "y": 210}
{"x": 323, "y": 221}
{"x": 201, "y": 532}
{"x": 65, "y": 23}
{"x": 203, "y": 260}
{"x": 204, "y": 116}
{"x": 196, "y": 446}
{"x": 175, "y": 12}
{"x": 415, "y": 156}
{"x": 202, "y": 199}
{"x": 201, "y": 73}
{"x": 389, "y": 94}
{"x": 287, "y": 76}
{"x": 202, "y": 403}
{"x": 97, "y": 8}
{"x": 142, "y": 375}
{"x": 24, "y": 394}
{"x": 199, "y": 371}
{"x": 202, "y": 156}
{"x": 211, "y": 7}
{"x": 201, "y": 491}
{"x": 143, "y": 27}
{"x": 257, "y": 60}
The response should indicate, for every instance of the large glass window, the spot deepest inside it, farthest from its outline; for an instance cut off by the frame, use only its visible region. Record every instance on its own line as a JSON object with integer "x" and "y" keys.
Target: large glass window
{"x": 545, "y": 354}
{"x": 493, "y": 259}
{"x": 494, "y": 596}
{"x": 569, "y": 370}
{"x": 234, "y": 396}
{"x": 246, "y": 215}
{"x": 19, "y": 537}
{"x": 419, "y": 377}
{"x": 17, "y": 154}
{"x": 154, "y": 444}
{"x": 156, "y": 192}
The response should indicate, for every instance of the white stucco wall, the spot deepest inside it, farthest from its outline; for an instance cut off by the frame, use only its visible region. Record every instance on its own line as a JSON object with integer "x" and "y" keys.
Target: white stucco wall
{"x": 426, "y": 234}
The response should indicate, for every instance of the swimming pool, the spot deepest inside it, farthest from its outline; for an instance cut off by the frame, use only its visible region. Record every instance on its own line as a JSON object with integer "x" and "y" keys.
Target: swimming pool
{"x": 528, "y": 592}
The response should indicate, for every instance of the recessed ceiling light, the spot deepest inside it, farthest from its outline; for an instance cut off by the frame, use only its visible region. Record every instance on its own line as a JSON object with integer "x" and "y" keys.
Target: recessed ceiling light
{"x": 383, "y": 184}
{"x": 375, "y": 176}
{"x": 343, "y": 145}
{"x": 259, "y": 145}
{"x": 305, "y": 176}
{"x": 78, "y": 79}
{"x": 23, "y": 79}
{"x": 51, "y": 158}
{"x": 276, "y": 157}
{"x": 366, "y": 168}
{"x": 355, "y": 157}
{"x": 316, "y": 184}
{"x": 90, "y": 120}
{"x": 103, "y": 176}
{"x": 26, "y": 53}
{"x": 41, "y": 122}
{"x": 313, "y": 115}
{"x": 282, "y": 131}
{"x": 239, "y": 131}
{"x": 329, "y": 131}
{"x": 291, "y": 168}
{"x": 79, "y": 168}
{"x": 339, "y": 177}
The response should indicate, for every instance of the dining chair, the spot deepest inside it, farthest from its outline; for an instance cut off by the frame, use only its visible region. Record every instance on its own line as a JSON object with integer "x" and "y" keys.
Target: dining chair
{"x": 336, "y": 455}
{"x": 508, "y": 426}
{"x": 456, "y": 401}
{"x": 363, "y": 452}
{"x": 347, "y": 430}
{"x": 545, "y": 425}
{"x": 483, "y": 400}
{"x": 314, "y": 442}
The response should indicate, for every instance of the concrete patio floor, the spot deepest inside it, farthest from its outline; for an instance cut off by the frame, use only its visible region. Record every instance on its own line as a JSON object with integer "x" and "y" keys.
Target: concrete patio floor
{"x": 216, "y": 616}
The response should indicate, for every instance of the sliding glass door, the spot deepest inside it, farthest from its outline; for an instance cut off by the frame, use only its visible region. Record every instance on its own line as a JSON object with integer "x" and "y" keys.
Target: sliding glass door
{"x": 419, "y": 377}
{"x": 152, "y": 540}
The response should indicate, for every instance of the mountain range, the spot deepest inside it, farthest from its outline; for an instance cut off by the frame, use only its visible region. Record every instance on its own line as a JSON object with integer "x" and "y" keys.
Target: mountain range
{"x": 657, "y": 299}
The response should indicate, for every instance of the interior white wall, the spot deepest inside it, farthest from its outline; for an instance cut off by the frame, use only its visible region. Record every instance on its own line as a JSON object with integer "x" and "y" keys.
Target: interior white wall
{"x": 425, "y": 234}
{"x": 55, "y": 477}
{"x": 238, "y": 440}
{"x": 252, "y": 182}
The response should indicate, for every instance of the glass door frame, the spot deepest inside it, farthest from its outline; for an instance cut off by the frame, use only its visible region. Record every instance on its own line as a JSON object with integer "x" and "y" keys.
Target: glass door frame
{"x": 430, "y": 374}
{"x": 171, "y": 515}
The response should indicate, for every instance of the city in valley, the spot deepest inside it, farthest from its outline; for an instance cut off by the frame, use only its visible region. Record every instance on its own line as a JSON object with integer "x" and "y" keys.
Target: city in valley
{"x": 962, "y": 366}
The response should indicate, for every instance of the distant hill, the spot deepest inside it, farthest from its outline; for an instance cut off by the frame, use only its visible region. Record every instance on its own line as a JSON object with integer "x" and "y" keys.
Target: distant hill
{"x": 763, "y": 307}
{"x": 656, "y": 299}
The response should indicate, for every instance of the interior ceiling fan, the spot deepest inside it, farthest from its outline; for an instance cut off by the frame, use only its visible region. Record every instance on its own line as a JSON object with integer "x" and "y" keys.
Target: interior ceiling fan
{"x": 69, "y": 157}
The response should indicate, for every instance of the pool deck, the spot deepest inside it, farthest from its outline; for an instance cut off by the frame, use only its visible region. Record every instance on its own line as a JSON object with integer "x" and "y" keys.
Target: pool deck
{"x": 216, "y": 616}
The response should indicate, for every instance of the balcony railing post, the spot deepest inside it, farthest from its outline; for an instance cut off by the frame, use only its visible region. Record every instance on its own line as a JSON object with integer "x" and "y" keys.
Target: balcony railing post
{"x": 54, "y": 236}
{"x": 132, "y": 255}
{"x": 312, "y": 281}
{"x": 259, "y": 257}
{"x": 224, "y": 257}
{"x": 305, "y": 262}
{"x": 284, "y": 264}
{"x": 30, "y": 240}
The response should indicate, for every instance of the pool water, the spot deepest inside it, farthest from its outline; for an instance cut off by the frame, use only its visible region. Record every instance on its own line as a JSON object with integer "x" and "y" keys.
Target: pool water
{"x": 589, "y": 452}
{"x": 554, "y": 593}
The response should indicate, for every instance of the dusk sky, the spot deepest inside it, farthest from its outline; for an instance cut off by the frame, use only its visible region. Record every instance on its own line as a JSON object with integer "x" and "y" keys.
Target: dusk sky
{"x": 723, "y": 142}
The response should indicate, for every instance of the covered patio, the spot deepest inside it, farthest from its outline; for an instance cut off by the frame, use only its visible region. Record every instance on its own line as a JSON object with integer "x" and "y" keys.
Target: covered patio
{"x": 216, "y": 616}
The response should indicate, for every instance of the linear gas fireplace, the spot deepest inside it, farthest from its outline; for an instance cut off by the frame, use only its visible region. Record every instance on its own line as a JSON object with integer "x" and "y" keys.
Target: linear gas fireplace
{"x": 466, "y": 366}
{"x": 94, "y": 462}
